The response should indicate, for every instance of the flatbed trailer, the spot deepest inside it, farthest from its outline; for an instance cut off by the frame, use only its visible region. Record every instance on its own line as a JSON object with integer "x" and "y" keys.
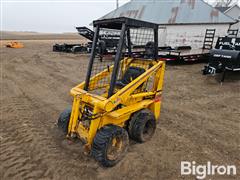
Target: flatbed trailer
{"x": 184, "y": 55}
{"x": 77, "y": 48}
{"x": 72, "y": 48}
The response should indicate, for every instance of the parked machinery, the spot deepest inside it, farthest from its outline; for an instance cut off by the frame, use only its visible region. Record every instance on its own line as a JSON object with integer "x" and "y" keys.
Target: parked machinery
{"x": 107, "y": 43}
{"x": 77, "y": 48}
{"x": 121, "y": 96}
{"x": 107, "y": 40}
{"x": 185, "y": 54}
{"x": 14, "y": 45}
{"x": 85, "y": 32}
{"x": 225, "y": 57}
{"x": 70, "y": 48}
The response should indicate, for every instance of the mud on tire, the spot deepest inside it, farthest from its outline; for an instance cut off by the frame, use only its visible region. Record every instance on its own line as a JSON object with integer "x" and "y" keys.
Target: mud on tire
{"x": 142, "y": 126}
{"x": 63, "y": 120}
{"x": 104, "y": 150}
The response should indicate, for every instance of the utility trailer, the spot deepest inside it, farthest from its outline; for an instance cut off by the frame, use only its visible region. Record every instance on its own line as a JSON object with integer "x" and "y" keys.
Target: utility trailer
{"x": 107, "y": 44}
{"x": 182, "y": 54}
{"x": 225, "y": 57}
{"x": 85, "y": 32}
{"x": 77, "y": 48}
{"x": 107, "y": 41}
{"x": 71, "y": 48}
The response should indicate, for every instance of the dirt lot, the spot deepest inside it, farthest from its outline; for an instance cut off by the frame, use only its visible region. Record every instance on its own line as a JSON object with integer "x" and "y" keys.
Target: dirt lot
{"x": 199, "y": 121}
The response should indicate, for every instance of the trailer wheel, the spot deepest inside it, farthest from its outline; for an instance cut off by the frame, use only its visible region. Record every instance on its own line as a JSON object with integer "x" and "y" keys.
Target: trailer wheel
{"x": 63, "y": 120}
{"x": 110, "y": 145}
{"x": 142, "y": 126}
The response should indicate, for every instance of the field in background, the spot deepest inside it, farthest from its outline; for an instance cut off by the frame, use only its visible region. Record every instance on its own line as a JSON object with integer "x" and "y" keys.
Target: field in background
{"x": 12, "y": 35}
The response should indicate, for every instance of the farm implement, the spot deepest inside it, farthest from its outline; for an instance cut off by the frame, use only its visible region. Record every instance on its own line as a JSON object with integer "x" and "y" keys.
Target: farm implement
{"x": 14, "y": 45}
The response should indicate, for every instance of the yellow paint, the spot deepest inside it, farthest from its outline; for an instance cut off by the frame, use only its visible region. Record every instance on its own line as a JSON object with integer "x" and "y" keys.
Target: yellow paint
{"x": 104, "y": 109}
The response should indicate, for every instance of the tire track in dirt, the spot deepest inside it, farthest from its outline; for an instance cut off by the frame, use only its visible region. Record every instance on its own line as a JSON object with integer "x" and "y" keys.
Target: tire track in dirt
{"x": 21, "y": 134}
{"x": 30, "y": 144}
{"x": 24, "y": 136}
{"x": 204, "y": 138}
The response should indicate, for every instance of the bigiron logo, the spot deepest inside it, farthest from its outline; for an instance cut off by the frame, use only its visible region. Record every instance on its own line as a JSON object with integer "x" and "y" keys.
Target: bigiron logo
{"x": 202, "y": 171}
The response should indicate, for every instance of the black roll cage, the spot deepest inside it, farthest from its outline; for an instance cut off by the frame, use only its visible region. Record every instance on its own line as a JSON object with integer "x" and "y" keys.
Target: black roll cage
{"x": 124, "y": 24}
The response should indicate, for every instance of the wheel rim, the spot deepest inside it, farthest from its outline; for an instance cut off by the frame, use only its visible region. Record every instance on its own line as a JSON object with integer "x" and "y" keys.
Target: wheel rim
{"x": 115, "y": 148}
{"x": 148, "y": 130}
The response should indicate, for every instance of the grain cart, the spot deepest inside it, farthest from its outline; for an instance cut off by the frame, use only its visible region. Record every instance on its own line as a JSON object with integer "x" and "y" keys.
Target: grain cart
{"x": 225, "y": 57}
{"x": 121, "y": 96}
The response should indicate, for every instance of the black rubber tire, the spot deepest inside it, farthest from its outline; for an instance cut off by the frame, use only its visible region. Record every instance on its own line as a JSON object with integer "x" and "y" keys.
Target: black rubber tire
{"x": 142, "y": 126}
{"x": 103, "y": 140}
{"x": 63, "y": 120}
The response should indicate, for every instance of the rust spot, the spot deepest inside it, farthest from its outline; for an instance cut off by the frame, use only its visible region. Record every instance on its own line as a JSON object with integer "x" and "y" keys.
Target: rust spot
{"x": 182, "y": 1}
{"x": 141, "y": 12}
{"x": 130, "y": 13}
{"x": 184, "y": 40}
{"x": 190, "y": 3}
{"x": 174, "y": 15}
{"x": 133, "y": 13}
{"x": 214, "y": 13}
{"x": 121, "y": 14}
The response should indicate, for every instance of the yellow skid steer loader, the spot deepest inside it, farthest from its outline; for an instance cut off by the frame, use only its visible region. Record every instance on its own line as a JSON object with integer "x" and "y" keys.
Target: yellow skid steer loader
{"x": 121, "y": 96}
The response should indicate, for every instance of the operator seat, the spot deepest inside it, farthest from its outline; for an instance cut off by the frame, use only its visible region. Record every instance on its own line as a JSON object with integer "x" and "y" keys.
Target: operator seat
{"x": 130, "y": 74}
{"x": 149, "y": 50}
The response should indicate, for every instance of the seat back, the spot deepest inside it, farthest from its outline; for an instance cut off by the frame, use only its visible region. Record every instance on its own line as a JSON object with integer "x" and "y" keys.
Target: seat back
{"x": 131, "y": 74}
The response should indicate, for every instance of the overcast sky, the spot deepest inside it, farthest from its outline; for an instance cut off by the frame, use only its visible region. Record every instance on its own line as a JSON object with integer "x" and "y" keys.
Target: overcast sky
{"x": 54, "y": 15}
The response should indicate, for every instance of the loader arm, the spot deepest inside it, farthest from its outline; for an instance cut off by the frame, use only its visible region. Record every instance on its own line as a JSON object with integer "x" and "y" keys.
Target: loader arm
{"x": 126, "y": 93}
